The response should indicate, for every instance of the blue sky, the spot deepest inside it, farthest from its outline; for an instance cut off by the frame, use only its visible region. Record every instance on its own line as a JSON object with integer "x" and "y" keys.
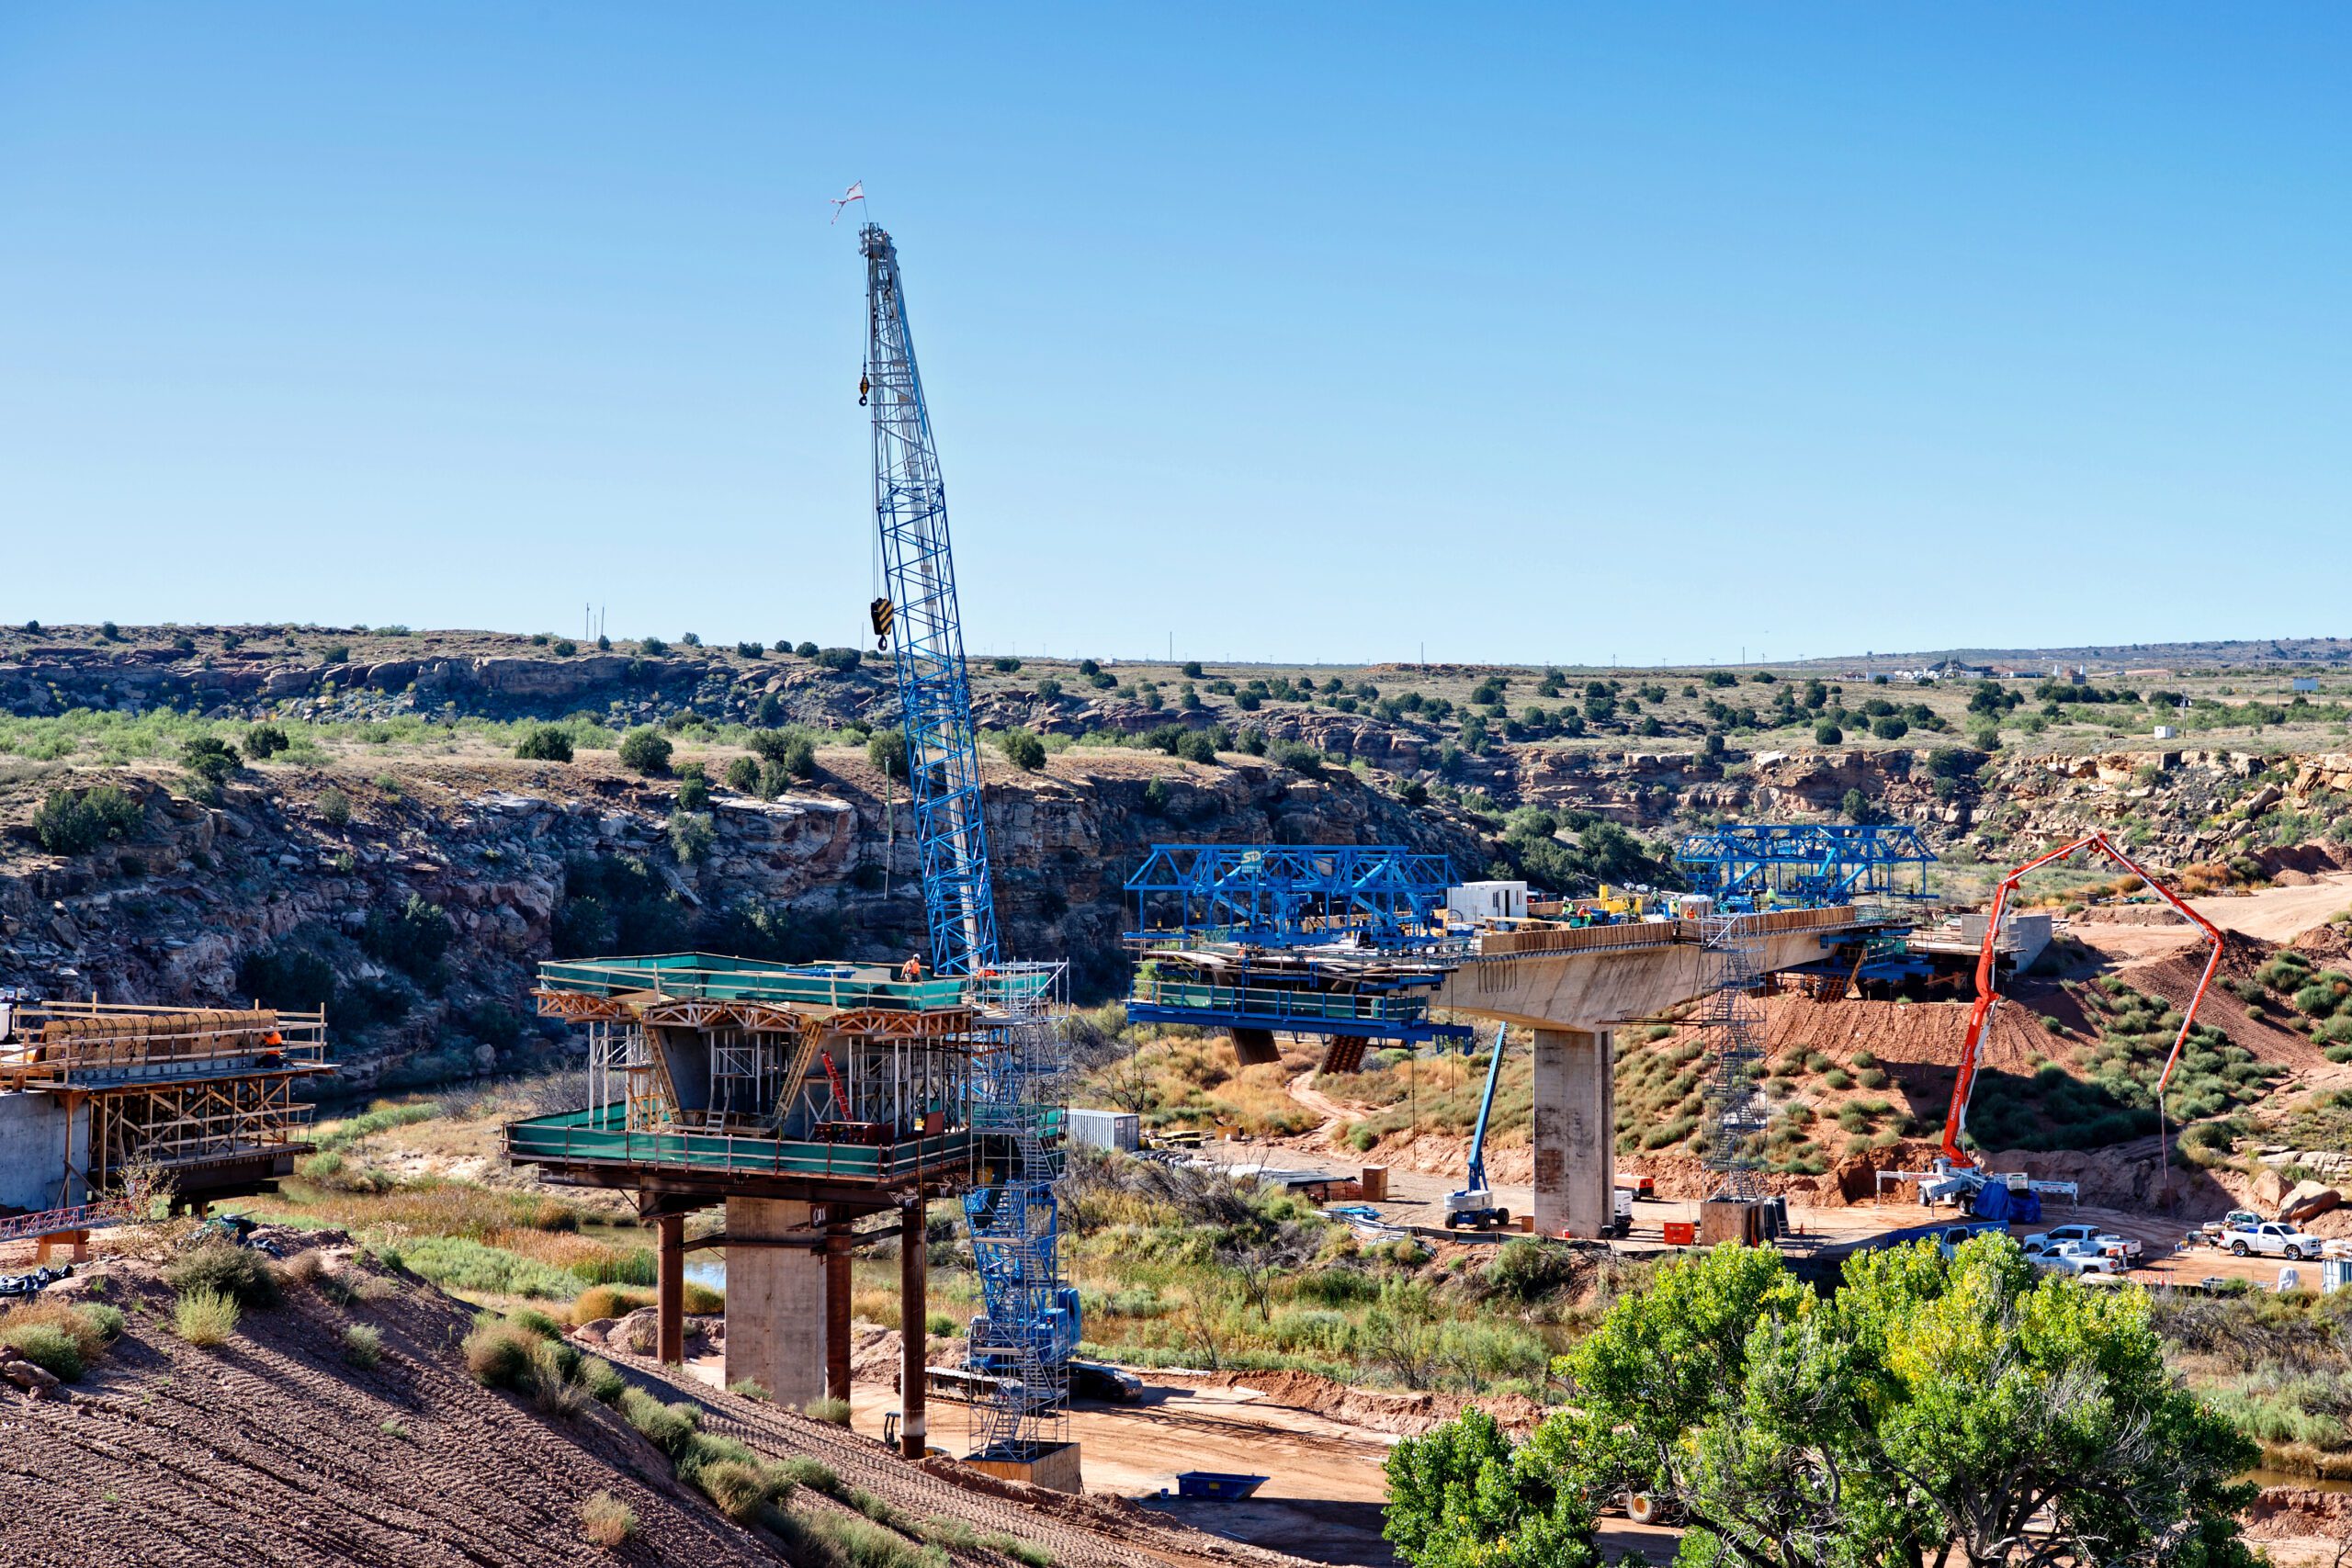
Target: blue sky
{"x": 1556, "y": 332}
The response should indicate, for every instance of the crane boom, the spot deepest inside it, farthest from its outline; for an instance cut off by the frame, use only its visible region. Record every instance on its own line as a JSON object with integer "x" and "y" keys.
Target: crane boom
{"x": 920, "y": 620}
{"x": 1988, "y": 995}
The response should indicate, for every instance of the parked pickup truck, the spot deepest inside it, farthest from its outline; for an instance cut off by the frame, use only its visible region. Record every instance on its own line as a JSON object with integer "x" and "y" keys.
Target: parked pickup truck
{"x": 2103, "y": 1241}
{"x": 2211, "y": 1231}
{"x": 2273, "y": 1239}
{"x": 2078, "y": 1257}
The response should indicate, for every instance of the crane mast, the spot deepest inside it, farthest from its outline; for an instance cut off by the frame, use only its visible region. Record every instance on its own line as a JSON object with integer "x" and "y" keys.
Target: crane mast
{"x": 1022, "y": 1342}
{"x": 919, "y": 619}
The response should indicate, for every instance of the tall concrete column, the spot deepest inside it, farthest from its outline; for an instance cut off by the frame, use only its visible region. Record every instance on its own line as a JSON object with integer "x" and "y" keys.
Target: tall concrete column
{"x": 915, "y": 1321}
{"x": 837, "y": 1292}
{"x": 670, "y": 1289}
{"x": 775, "y": 1300}
{"x": 1576, "y": 1130}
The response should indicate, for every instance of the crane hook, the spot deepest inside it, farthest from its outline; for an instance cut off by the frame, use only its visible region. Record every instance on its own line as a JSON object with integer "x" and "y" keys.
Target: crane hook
{"x": 864, "y": 386}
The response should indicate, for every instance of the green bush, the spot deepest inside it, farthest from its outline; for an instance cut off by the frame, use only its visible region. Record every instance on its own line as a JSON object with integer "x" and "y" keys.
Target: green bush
{"x": 545, "y": 743}
{"x": 47, "y": 1346}
{"x": 645, "y": 751}
{"x": 70, "y": 824}
{"x": 602, "y": 1382}
{"x": 265, "y": 740}
{"x": 363, "y": 1345}
{"x": 210, "y": 759}
{"x": 888, "y": 751}
{"x": 1022, "y": 749}
{"x": 692, "y": 836}
{"x": 238, "y": 1272}
{"x": 694, "y": 793}
{"x": 744, "y": 776}
{"x": 334, "y": 807}
{"x": 500, "y": 1354}
{"x": 833, "y": 1412}
{"x": 205, "y": 1318}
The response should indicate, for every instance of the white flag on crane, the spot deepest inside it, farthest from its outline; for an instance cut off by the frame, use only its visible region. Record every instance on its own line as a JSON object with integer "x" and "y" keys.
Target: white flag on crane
{"x": 857, "y": 192}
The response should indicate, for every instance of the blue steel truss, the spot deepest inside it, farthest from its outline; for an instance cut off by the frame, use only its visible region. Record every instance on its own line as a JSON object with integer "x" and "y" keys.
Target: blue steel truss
{"x": 1747, "y": 864}
{"x": 927, "y": 634}
{"x": 1378, "y": 895}
{"x": 1389, "y": 1007}
{"x": 1030, "y": 1323}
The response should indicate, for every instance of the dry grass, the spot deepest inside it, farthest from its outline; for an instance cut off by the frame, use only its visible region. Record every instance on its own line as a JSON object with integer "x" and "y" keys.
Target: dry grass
{"x": 606, "y": 1521}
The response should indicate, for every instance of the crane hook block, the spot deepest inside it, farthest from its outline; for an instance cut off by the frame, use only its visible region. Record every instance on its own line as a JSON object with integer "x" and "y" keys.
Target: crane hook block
{"x": 882, "y": 616}
{"x": 864, "y": 386}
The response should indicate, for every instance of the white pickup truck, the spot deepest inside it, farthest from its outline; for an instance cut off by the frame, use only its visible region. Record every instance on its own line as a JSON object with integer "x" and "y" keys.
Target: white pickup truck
{"x": 2078, "y": 1257}
{"x": 2107, "y": 1242}
{"x": 2273, "y": 1239}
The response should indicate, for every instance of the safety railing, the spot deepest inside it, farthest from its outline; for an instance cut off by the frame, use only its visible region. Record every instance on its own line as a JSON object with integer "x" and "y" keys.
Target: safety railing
{"x": 63, "y": 1043}
{"x": 703, "y": 976}
{"x": 1654, "y": 934}
{"x": 1277, "y": 1001}
{"x": 602, "y": 1136}
{"x": 53, "y": 1222}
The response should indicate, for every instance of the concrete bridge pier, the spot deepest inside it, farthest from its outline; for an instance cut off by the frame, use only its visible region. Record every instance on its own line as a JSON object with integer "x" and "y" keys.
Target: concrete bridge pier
{"x": 1576, "y": 1132}
{"x": 778, "y": 1324}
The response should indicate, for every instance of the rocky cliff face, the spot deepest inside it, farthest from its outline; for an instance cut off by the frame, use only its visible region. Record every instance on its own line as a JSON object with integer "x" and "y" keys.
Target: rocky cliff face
{"x": 419, "y": 909}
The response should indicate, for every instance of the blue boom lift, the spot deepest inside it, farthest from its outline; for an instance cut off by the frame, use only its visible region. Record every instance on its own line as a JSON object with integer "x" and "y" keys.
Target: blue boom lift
{"x": 1475, "y": 1205}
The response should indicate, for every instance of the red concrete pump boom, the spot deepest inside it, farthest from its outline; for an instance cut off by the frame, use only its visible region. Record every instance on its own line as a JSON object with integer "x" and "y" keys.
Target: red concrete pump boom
{"x": 1987, "y": 998}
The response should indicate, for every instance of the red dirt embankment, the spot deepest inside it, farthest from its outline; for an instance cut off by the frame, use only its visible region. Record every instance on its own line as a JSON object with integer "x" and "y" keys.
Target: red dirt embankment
{"x": 274, "y": 1449}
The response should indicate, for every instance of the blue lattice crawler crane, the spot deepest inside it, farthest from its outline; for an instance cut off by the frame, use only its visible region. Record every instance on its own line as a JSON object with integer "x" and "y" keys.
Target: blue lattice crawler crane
{"x": 1023, "y": 1339}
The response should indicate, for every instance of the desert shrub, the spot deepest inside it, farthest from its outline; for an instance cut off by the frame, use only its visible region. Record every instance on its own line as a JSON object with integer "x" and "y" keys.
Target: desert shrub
{"x": 70, "y": 824}
{"x": 46, "y": 1344}
{"x": 499, "y": 1355}
{"x": 888, "y": 751}
{"x": 833, "y": 1412}
{"x": 222, "y": 1266}
{"x": 363, "y": 1345}
{"x": 692, "y": 836}
{"x": 1022, "y": 749}
{"x": 210, "y": 759}
{"x": 204, "y": 1317}
{"x": 666, "y": 1426}
{"x": 694, "y": 793}
{"x": 545, "y": 743}
{"x": 531, "y": 1320}
{"x": 645, "y": 751}
{"x": 750, "y": 1388}
{"x": 1838, "y": 1077}
{"x": 1871, "y": 1078}
{"x": 701, "y": 1301}
{"x": 334, "y": 806}
{"x": 814, "y": 1474}
{"x": 608, "y": 1300}
{"x": 265, "y": 740}
{"x": 605, "y": 1520}
{"x": 744, "y": 776}
{"x": 1530, "y": 1270}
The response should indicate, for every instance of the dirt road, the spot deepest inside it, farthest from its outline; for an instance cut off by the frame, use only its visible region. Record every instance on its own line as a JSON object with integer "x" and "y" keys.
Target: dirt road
{"x": 2272, "y": 914}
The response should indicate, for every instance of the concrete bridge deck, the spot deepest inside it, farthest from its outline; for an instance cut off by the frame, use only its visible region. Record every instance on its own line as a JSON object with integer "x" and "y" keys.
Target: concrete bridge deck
{"x": 1572, "y": 987}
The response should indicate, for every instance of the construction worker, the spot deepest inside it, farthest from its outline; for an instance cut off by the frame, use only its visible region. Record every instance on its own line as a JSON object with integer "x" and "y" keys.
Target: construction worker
{"x": 912, "y": 970}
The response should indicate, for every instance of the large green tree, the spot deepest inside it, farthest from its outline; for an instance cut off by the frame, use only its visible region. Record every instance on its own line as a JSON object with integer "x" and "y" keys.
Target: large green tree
{"x": 1946, "y": 1412}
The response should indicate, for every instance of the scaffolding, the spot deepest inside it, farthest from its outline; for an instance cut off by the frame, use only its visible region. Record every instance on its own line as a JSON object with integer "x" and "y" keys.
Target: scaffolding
{"x": 1023, "y": 1339}
{"x": 207, "y": 1095}
{"x": 1730, "y": 1021}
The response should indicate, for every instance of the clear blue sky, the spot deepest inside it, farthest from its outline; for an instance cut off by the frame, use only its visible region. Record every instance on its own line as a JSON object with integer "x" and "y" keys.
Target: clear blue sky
{"x": 1641, "y": 333}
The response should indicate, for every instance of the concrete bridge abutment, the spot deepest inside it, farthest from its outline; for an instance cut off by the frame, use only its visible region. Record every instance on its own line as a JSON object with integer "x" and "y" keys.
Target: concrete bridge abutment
{"x": 778, "y": 1326}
